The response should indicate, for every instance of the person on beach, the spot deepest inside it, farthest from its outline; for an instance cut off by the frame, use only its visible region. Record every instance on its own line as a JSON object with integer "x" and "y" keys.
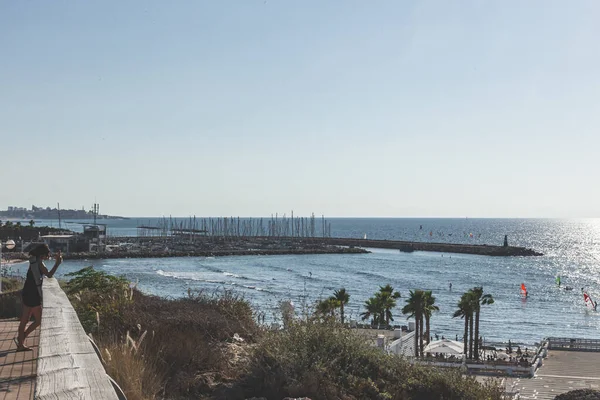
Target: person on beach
{"x": 32, "y": 291}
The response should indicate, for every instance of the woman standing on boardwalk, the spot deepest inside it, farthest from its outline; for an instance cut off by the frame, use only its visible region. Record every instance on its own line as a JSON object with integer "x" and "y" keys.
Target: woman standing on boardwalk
{"x": 32, "y": 291}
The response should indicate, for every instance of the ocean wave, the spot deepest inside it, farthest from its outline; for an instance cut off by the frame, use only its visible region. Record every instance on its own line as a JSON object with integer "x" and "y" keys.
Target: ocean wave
{"x": 370, "y": 274}
{"x": 191, "y": 276}
{"x": 212, "y": 269}
{"x": 235, "y": 275}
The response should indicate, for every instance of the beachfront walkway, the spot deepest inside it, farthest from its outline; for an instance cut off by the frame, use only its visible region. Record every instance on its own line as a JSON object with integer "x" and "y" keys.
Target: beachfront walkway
{"x": 561, "y": 372}
{"x": 17, "y": 369}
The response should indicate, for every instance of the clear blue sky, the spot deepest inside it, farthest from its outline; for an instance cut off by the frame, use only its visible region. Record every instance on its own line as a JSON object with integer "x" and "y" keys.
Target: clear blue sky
{"x": 342, "y": 108}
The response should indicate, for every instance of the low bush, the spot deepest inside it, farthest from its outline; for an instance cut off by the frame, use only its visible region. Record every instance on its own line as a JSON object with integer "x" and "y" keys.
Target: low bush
{"x": 195, "y": 335}
{"x": 10, "y": 305}
{"x": 10, "y": 284}
{"x": 10, "y": 298}
{"x": 95, "y": 294}
{"x": 327, "y": 361}
{"x": 193, "y": 342}
{"x": 579, "y": 394}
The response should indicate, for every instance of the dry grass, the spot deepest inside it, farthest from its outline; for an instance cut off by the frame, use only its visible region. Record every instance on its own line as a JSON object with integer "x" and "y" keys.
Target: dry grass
{"x": 131, "y": 364}
{"x": 195, "y": 336}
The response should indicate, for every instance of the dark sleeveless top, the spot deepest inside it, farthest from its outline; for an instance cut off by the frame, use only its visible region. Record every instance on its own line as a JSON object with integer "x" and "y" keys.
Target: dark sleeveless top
{"x": 31, "y": 293}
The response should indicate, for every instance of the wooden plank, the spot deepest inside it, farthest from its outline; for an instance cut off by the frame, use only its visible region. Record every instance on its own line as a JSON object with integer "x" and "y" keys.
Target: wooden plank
{"x": 17, "y": 369}
{"x": 68, "y": 367}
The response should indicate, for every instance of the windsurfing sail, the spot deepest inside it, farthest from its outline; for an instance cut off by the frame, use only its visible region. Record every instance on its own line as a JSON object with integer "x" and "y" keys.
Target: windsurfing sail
{"x": 523, "y": 289}
{"x": 558, "y": 280}
{"x": 587, "y": 299}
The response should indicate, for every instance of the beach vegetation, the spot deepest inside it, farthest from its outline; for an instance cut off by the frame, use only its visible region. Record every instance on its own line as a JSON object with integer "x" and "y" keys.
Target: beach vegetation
{"x": 415, "y": 308}
{"x": 93, "y": 294}
{"x": 469, "y": 308}
{"x": 465, "y": 311}
{"x": 480, "y": 299}
{"x": 10, "y": 298}
{"x": 429, "y": 307}
{"x": 342, "y": 297}
{"x": 325, "y": 360}
{"x": 326, "y": 307}
{"x": 209, "y": 346}
{"x": 379, "y": 306}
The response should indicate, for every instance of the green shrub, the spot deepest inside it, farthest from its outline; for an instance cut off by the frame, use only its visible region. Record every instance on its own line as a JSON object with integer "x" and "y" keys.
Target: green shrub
{"x": 579, "y": 394}
{"x": 326, "y": 361}
{"x": 97, "y": 296}
{"x": 10, "y": 284}
{"x": 10, "y": 305}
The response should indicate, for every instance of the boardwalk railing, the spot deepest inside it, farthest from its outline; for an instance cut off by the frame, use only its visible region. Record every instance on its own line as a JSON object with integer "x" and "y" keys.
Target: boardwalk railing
{"x": 68, "y": 366}
{"x": 558, "y": 343}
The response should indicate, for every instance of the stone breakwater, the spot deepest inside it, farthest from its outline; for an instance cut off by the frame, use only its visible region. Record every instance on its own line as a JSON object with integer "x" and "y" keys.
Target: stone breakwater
{"x": 213, "y": 246}
{"x": 477, "y": 249}
{"x": 211, "y": 253}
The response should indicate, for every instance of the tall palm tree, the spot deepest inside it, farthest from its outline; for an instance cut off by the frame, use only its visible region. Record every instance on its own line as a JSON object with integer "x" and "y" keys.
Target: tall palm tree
{"x": 480, "y": 299}
{"x": 428, "y": 308}
{"x": 327, "y": 307}
{"x": 387, "y": 297}
{"x": 465, "y": 310}
{"x": 472, "y": 307}
{"x": 389, "y": 289}
{"x": 372, "y": 310}
{"x": 31, "y": 223}
{"x": 414, "y": 308}
{"x": 342, "y": 297}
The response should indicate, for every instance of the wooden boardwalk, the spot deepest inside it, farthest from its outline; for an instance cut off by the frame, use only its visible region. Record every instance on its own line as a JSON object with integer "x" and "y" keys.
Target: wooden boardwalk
{"x": 17, "y": 369}
{"x": 561, "y": 372}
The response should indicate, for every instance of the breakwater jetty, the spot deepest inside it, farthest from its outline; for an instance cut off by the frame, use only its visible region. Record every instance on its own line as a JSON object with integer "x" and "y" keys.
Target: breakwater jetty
{"x": 214, "y": 246}
{"x": 477, "y": 249}
{"x": 211, "y": 253}
{"x": 267, "y": 245}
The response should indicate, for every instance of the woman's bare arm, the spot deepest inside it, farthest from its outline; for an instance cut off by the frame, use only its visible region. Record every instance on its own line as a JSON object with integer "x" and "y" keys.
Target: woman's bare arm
{"x": 57, "y": 262}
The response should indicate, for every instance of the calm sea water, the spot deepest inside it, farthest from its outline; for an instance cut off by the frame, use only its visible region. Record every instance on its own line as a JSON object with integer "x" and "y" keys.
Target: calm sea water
{"x": 571, "y": 248}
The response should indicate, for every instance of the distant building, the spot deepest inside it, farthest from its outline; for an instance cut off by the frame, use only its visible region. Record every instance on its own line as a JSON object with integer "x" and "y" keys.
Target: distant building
{"x": 96, "y": 236}
{"x": 59, "y": 242}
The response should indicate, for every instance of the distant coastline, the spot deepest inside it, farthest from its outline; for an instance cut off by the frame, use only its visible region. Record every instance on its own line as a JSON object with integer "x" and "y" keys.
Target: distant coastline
{"x": 51, "y": 213}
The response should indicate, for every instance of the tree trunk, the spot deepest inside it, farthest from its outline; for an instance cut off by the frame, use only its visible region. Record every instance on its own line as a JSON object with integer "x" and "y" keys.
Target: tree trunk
{"x": 427, "y": 331}
{"x": 471, "y": 336}
{"x": 342, "y": 313}
{"x": 421, "y": 335}
{"x": 416, "y": 335}
{"x": 466, "y": 337}
{"x": 477, "y": 334}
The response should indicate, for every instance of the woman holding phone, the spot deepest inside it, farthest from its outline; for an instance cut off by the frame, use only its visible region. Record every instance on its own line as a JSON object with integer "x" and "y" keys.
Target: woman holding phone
{"x": 32, "y": 291}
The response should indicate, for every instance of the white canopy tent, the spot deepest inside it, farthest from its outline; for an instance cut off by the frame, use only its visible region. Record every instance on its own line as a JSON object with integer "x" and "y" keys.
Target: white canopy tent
{"x": 444, "y": 346}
